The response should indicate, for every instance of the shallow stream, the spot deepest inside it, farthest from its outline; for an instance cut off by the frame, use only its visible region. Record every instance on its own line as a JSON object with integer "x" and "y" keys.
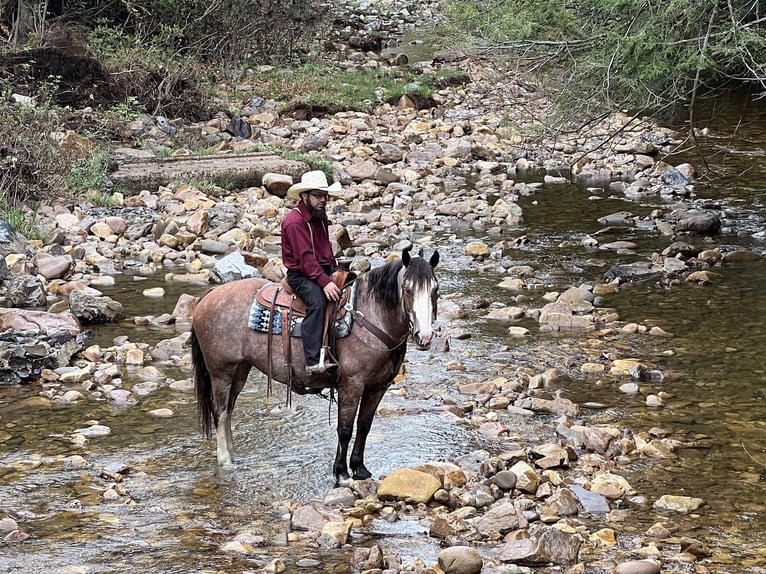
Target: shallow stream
{"x": 184, "y": 508}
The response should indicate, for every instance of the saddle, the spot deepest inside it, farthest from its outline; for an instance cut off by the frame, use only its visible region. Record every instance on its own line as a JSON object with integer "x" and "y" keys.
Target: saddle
{"x": 281, "y": 296}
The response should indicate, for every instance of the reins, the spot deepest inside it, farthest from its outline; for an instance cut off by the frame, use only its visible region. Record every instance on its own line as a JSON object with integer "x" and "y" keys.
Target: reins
{"x": 384, "y": 337}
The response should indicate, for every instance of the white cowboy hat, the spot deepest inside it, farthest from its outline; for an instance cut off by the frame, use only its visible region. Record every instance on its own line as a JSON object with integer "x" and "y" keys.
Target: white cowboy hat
{"x": 312, "y": 180}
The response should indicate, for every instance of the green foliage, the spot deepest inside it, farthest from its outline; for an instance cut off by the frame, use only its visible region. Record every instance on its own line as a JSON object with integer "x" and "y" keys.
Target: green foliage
{"x": 25, "y": 222}
{"x": 126, "y": 111}
{"x": 100, "y": 199}
{"x": 637, "y": 54}
{"x": 91, "y": 174}
{"x": 331, "y": 88}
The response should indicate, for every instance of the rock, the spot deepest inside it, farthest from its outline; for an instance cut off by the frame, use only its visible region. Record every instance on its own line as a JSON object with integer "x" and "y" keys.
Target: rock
{"x": 408, "y": 485}
{"x": 546, "y": 546}
{"x": 367, "y": 559}
{"x": 11, "y": 242}
{"x": 314, "y": 142}
{"x": 26, "y": 291}
{"x": 362, "y": 170}
{"x": 38, "y": 322}
{"x": 52, "y": 267}
{"x": 500, "y": 517}
{"x": 675, "y": 503}
{"x": 674, "y": 177}
{"x": 505, "y": 479}
{"x": 311, "y": 518}
{"x": 90, "y": 309}
{"x": 94, "y": 430}
{"x": 477, "y": 249}
{"x": 741, "y": 256}
{"x": 527, "y": 479}
{"x": 460, "y": 560}
{"x": 592, "y": 502}
{"x": 637, "y": 567}
{"x": 703, "y": 223}
{"x": 277, "y": 183}
{"x": 233, "y": 267}
{"x": 334, "y": 534}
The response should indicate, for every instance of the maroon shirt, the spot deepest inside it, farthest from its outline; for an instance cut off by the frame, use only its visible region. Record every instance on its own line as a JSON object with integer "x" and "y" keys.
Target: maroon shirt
{"x": 299, "y": 252}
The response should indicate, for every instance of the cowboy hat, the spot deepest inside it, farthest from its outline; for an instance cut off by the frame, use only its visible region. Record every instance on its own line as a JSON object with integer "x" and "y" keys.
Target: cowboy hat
{"x": 312, "y": 180}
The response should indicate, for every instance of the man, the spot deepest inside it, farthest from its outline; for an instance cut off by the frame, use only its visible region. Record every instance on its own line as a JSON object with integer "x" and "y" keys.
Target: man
{"x": 307, "y": 254}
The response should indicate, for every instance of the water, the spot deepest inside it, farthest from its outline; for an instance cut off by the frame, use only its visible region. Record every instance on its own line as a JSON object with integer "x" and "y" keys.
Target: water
{"x": 177, "y": 507}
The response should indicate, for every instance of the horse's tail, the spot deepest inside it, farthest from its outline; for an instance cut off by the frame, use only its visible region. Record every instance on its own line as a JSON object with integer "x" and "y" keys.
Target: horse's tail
{"x": 202, "y": 387}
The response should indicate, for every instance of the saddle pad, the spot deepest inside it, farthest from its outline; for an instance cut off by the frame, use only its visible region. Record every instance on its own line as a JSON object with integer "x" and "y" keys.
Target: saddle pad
{"x": 260, "y": 316}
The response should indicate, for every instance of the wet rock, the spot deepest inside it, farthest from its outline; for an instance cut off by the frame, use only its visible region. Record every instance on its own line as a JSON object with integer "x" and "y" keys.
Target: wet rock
{"x": 309, "y": 517}
{"x": 366, "y": 559}
{"x": 703, "y": 223}
{"x": 675, "y": 503}
{"x": 334, "y": 534}
{"x": 592, "y": 502}
{"x": 741, "y": 256}
{"x": 460, "y": 560}
{"x": 91, "y": 309}
{"x": 611, "y": 486}
{"x": 637, "y": 567}
{"x": 243, "y": 543}
{"x": 559, "y": 316}
{"x": 94, "y": 430}
{"x": 408, "y": 485}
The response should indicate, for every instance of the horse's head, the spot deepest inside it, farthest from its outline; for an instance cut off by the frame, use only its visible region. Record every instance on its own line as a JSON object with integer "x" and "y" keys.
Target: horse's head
{"x": 420, "y": 290}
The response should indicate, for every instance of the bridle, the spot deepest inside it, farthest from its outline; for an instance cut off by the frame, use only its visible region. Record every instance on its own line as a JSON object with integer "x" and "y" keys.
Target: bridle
{"x": 391, "y": 344}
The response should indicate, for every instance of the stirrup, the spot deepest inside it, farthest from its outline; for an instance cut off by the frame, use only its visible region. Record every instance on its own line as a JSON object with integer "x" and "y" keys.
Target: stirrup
{"x": 325, "y": 364}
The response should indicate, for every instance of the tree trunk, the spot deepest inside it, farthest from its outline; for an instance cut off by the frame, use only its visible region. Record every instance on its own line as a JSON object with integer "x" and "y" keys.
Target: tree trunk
{"x": 26, "y": 13}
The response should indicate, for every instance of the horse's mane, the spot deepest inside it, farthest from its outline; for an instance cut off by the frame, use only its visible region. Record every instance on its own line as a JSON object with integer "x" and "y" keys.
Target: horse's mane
{"x": 382, "y": 282}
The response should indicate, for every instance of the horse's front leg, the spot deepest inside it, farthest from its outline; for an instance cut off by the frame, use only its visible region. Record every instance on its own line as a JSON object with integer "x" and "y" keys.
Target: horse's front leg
{"x": 367, "y": 409}
{"x": 339, "y": 468}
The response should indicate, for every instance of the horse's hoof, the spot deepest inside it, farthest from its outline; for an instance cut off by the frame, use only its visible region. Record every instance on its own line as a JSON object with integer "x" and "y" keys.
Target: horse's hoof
{"x": 342, "y": 482}
{"x": 362, "y": 474}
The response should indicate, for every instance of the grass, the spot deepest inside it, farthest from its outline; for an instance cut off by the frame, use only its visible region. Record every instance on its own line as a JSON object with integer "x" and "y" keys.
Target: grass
{"x": 336, "y": 88}
{"x": 90, "y": 174}
{"x": 23, "y": 222}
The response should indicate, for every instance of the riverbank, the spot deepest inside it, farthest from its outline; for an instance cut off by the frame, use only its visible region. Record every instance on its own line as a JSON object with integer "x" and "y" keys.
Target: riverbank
{"x": 455, "y": 174}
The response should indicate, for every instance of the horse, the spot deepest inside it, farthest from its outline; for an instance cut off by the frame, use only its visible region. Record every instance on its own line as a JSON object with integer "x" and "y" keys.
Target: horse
{"x": 391, "y": 303}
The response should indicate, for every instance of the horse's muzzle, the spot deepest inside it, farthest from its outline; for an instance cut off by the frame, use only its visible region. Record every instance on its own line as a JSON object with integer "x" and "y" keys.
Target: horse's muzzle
{"x": 422, "y": 343}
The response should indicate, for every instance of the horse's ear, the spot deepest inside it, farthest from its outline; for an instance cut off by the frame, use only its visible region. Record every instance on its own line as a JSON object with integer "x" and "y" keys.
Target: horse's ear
{"x": 406, "y": 255}
{"x": 434, "y": 261}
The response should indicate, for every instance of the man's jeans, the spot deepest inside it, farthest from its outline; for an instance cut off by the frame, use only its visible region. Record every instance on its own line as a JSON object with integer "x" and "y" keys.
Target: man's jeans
{"x": 311, "y": 328}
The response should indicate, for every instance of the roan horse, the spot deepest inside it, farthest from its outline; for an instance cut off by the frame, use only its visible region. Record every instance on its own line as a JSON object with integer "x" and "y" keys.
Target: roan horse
{"x": 391, "y": 303}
